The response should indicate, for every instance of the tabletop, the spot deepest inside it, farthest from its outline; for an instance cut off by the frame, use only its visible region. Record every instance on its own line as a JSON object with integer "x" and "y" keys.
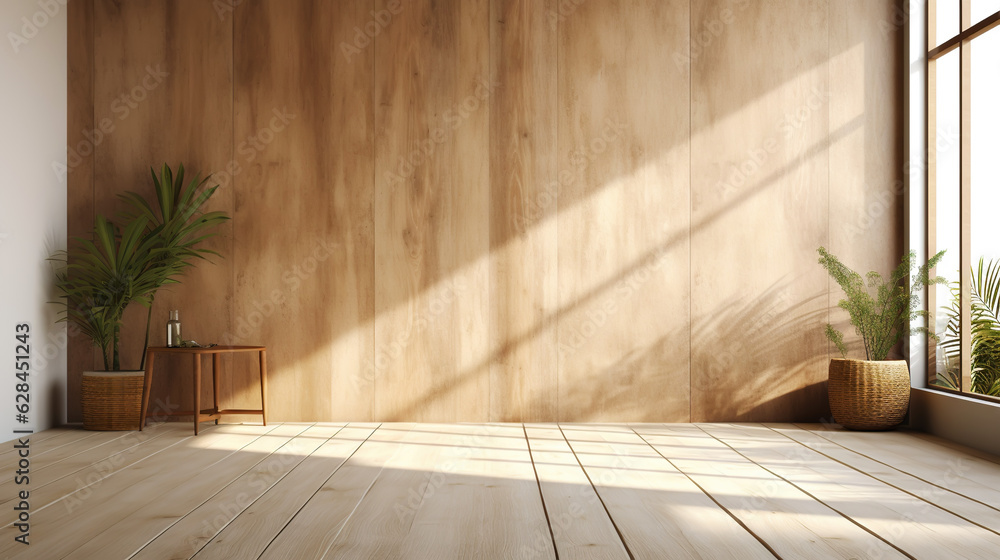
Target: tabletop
{"x": 197, "y": 350}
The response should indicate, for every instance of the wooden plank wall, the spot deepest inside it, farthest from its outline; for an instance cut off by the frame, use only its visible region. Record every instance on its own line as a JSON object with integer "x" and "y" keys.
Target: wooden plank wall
{"x": 758, "y": 301}
{"x": 432, "y": 212}
{"x": 505, "y": 210}
{"x": 623, "y": 218}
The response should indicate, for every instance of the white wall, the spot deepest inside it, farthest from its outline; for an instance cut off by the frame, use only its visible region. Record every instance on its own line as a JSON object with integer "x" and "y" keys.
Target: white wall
{"x": 32, "y": 203}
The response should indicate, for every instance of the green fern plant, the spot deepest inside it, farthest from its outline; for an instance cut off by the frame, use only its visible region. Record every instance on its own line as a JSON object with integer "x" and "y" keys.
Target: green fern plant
{"x": 882, "y": 319}
{"x": 985, "y": 318}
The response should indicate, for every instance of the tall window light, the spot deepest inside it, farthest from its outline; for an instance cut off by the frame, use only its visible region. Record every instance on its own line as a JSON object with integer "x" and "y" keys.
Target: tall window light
{"x": 963, "y": 194}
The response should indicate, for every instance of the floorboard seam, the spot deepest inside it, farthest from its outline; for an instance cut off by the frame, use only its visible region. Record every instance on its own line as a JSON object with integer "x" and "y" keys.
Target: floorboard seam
{"x": 110, "y": 441}
{"x": 919, "y": 497}
{"x": 304, "y": 504}
{"x": 710, "y": 497}
{"x": 895, "y": 469}
{"x": 597, "y": 493}
{"x": 227, "y": 456}
{"x": 541, "y": 496}
{"x": 800, "y": 489}
{"x": 102, "y": 479}
{"x": 92, "y": 463}
{"x": 240, "y": 475}
{"x": 37, "y": 437}
{"x": 951, "y": 445}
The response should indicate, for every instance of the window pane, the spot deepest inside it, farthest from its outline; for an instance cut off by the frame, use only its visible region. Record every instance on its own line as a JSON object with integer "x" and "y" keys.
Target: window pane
{"x": 982, "y": 9}
{"x": 947, "y": 214}
{"x": 985, "y": 208}
{"x": 948, "y": 19}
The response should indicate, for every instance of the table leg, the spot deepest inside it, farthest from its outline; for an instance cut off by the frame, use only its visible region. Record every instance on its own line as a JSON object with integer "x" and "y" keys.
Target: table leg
{"x": 146, "y": 384}
{"x": 197, "y": 391}
{"x": 215, "y": 384}
{"x": 263, "y": 387}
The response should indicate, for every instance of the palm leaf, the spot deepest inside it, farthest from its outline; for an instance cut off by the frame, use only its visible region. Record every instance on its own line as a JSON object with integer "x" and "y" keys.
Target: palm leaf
{"x": 102, "y": 275}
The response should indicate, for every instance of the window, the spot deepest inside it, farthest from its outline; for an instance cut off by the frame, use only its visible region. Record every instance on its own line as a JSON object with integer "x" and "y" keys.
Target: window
{"x": 963, "y": 192}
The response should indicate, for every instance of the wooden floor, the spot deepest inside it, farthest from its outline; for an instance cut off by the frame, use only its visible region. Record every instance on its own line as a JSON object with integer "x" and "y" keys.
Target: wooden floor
{"x": 302, "y": 491}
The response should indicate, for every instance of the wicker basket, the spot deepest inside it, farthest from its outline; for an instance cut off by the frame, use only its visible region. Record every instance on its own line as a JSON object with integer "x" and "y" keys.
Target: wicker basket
{"x": 112, "y": 400}
{"x": 869, "y": 395}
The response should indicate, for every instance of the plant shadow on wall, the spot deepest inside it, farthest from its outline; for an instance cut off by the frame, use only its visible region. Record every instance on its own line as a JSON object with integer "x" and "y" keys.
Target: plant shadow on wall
{"x": 985, "y": 316}
{"x": 749, "y": 333}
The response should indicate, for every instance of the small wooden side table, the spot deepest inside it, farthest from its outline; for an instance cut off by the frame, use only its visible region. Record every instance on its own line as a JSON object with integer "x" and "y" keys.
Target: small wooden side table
{"x": 212, "y": 413}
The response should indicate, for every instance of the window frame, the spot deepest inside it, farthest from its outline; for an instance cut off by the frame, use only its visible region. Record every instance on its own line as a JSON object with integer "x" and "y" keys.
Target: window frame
{"x": 963, "y": 42}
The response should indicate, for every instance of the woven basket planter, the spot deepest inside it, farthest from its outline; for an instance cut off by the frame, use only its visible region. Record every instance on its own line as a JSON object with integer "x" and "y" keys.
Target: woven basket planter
{"x": 869, "y": 395}
{"x": 111, "y": 400}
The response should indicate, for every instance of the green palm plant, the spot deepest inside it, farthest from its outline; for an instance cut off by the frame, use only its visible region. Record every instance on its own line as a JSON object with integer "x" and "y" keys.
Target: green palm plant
{"x": 985, "y": 332}
{"x": 129, "y": 264}
{"x": 881, "y": 321}
{"x": 178, "y": 224}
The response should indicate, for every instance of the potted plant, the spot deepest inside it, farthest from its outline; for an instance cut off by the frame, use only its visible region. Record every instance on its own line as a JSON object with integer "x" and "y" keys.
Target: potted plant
{"x": 125, "y": 264}
{"x": 874, "y": 393}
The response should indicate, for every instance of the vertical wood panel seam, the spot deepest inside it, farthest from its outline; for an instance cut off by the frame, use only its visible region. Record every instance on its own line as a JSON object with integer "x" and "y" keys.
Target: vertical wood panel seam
{"x": 93, "y": 109}
{"x": 555, "y": 222}
{"x": 232, "y": 159}
{"x": 558, "y": 210}
{"x": 374, "y": 155}
{"x": 489, "y": 237}
{"x": 829, "y": 119}
{"x": 690, "y": 215}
